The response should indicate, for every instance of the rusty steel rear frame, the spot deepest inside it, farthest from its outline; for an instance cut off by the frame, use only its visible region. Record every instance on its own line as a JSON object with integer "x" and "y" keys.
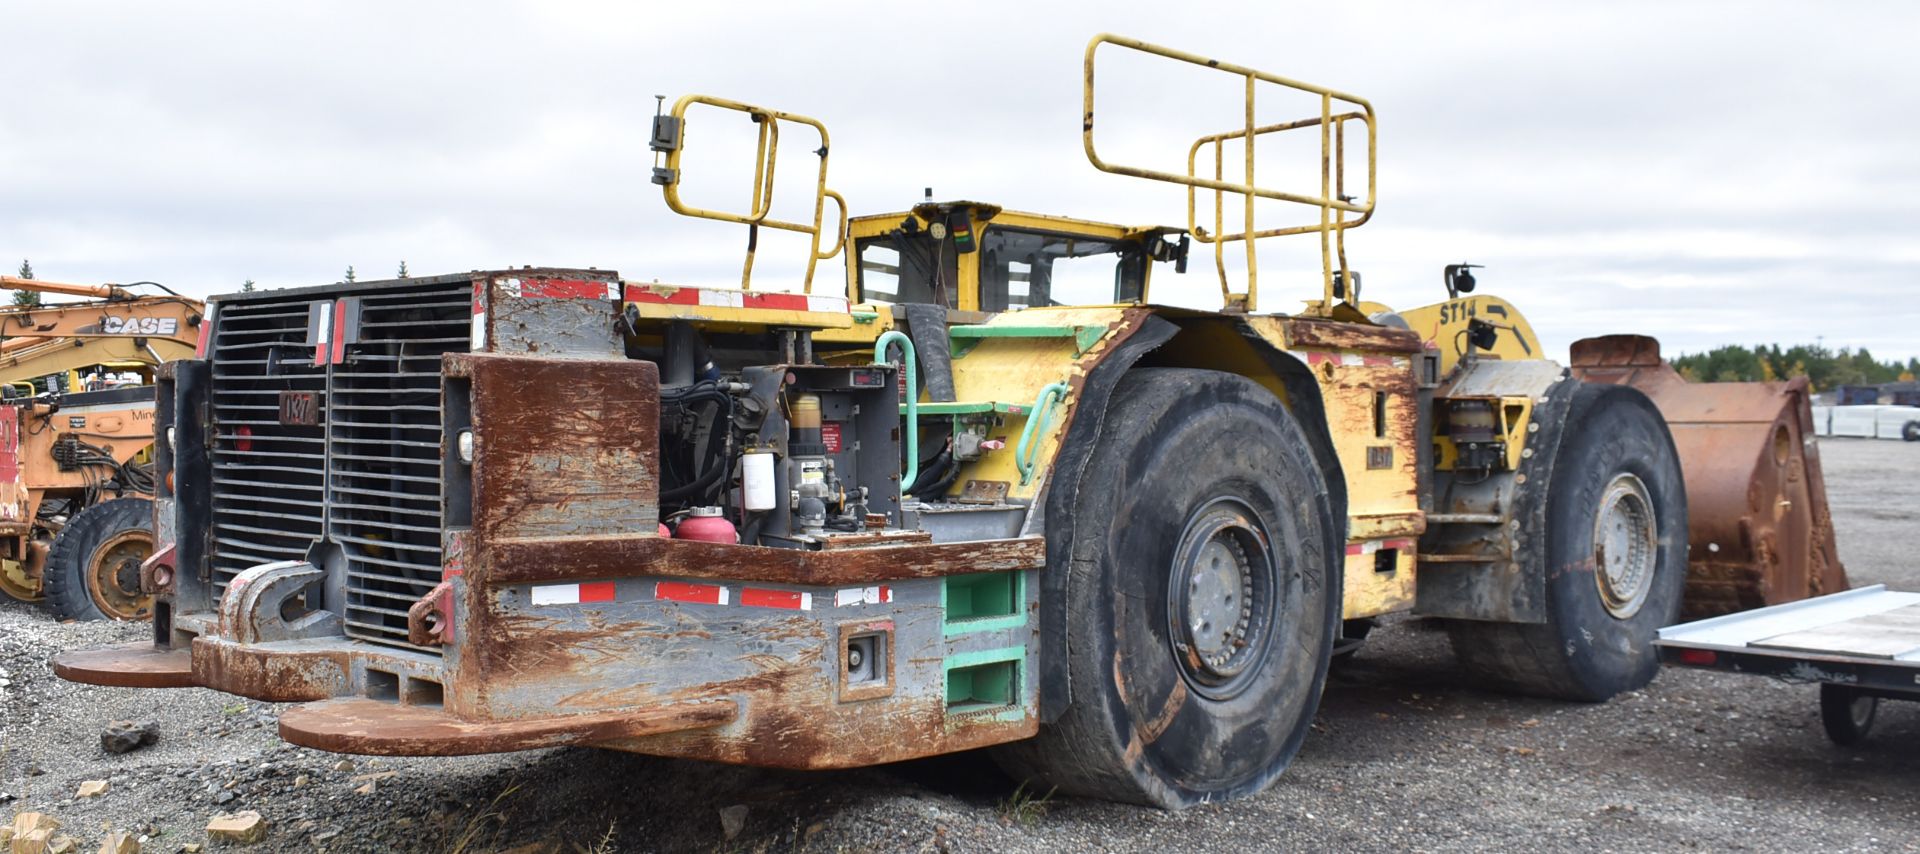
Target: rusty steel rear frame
{"x": 564, "y": 429}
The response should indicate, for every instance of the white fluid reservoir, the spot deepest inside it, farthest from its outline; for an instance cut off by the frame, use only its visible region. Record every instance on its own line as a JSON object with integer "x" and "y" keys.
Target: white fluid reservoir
{"x": 756, "y": 481}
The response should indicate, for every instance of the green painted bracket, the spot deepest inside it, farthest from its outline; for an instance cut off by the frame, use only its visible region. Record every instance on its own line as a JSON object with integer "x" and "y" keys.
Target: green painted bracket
{"x": 965, "y": 338}
{"x": 970, "y": 407}
{"x": 1043, "y": 406}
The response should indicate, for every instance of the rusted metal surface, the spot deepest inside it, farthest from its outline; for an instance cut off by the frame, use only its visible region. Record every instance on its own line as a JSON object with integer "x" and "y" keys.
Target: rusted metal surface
{"x": 1759, "y": 531}
{"x": 562, "y": 489}
{"x": 134, "y": 665}
{"x": 564, "y": 446}
{"x": 574, "y": 558}
{"x": 1304, "y": 334}
{"x": 356, "y": 725}
{"x": 549, "y": 312}
{"x": 276, "y": 673}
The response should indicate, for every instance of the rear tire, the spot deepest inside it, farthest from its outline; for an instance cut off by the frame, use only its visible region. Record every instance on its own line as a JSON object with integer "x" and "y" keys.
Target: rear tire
{"x": 1846, "y": 713}
{"x": 1616, "y": 559}
{"x": 93, "y": 568}
{"x": 1910, "y": 431}
{"x": 1204, "y": 598}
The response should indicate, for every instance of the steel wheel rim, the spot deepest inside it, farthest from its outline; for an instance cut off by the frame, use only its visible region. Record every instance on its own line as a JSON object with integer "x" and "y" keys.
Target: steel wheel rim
{"x": 113, "y": 575}
{"x": 1222, "y": 597}
{"x": 1625, "y": 546}
{"x": 25, "y": 590}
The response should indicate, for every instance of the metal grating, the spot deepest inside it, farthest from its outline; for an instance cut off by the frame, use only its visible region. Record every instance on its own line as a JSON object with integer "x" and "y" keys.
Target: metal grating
{"x": 384, "y": 440}
{"x": 269, "y": 479}
{"x": 367, "y": 478}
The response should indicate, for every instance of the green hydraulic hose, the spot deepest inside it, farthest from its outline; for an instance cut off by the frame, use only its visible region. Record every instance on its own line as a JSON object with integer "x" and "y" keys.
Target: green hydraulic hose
{"x": 913, "y": 402}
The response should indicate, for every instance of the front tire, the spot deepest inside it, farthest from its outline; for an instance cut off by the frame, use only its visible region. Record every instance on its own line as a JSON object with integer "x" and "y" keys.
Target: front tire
{"x": 1203, "y": 599}
{"x": 1910, "y": 431}
{"x": 1616, "y": 559}
{"x": 93, "y": 569}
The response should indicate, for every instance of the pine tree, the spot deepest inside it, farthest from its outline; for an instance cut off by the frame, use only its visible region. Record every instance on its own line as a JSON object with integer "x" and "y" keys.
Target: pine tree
{"x": 350, "y": 272}
{"x": 403, "y": 269}
{"x": 247, "y": 286}
{"x": 26, "y": 298}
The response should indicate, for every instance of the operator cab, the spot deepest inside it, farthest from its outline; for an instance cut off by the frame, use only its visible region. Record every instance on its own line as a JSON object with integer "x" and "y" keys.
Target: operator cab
{"x": 978, "y": 258}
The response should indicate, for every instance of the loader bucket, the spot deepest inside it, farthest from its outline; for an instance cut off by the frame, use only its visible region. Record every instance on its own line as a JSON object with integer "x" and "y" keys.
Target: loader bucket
{"x": 1759, "y": 532}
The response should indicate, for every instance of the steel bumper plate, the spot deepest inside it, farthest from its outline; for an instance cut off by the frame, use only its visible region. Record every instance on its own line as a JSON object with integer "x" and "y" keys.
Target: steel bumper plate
{"x": 133, "y": 665}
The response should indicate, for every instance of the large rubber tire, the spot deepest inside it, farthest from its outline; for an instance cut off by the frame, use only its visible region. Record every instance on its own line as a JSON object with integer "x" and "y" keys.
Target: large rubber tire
{"x": 105, "y": 532}
{"x": 1910, "y": 431}
{"x": 1585, "y": 651}
{"x": 1846, "y": 713}
{"x": 1191, "y": 469}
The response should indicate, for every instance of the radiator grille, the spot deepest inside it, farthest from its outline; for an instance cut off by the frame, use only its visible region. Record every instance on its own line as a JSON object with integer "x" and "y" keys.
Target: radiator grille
{"x": 367, "y": 476}
{"x": 384, "y": 440}
{"x": 269, "y": 479}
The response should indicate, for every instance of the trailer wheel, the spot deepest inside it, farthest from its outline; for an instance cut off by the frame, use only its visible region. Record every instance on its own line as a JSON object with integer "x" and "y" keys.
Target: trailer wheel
{"x": 1204, "y": 598}
{"x": 93, "y": 569}
{"x": 1616, "y": 562}
{"x": 1847, "y": 713}
{"x": 1911, "y": 431}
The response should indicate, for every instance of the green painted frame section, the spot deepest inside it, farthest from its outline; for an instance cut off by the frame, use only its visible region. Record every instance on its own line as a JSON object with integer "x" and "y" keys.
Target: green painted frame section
{"x": 970, "y": 407}
{"x": 965, "y": 338}
{"x": 1016, "y": 655}
{"x": 973, "y": 625}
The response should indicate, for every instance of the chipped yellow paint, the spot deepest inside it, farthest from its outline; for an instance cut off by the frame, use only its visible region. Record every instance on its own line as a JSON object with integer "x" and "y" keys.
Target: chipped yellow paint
{"x": 1383, "y": 498}
{"x": 1013, "y": 370}
{"x": 1367, "y": 592}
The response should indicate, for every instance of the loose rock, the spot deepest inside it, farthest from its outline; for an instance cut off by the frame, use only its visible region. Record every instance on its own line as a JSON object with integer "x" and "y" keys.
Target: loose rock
{"x": 91, "y": 789}
{"x": 733, "y": 819}
{"x": 119, "y": 842}
{"x": 244, "y": 828}
{"x": 124, "y": 736}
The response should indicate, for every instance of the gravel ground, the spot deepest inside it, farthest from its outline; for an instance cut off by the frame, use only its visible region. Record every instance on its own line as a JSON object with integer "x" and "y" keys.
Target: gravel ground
{"x": 1404, "y": 757}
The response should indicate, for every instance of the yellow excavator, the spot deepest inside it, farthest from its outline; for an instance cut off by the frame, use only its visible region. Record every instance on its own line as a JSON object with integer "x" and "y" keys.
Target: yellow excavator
{"x": 76, "y": 438}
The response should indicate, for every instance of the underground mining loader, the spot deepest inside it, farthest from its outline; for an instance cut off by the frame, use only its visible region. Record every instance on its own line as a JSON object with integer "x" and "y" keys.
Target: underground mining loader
{"x": 76, "y": 438}
{"x": 987, "y": 495}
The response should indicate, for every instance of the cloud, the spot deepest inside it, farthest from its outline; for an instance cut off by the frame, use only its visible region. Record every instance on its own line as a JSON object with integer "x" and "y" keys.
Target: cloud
{"x": 1707, "y": 173}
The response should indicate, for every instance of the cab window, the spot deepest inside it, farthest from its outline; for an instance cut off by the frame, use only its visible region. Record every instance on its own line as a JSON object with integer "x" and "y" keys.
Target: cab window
{"x": 908, "y": 268}
{"x": 1020, "y": 268}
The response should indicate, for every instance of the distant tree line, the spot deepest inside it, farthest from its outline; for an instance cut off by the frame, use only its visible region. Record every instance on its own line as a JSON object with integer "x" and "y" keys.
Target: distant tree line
{"x": 1825, "y": 369}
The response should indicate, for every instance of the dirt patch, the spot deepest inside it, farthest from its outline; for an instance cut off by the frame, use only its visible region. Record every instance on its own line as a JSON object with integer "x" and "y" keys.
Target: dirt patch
{"x": 1404, "y": 756}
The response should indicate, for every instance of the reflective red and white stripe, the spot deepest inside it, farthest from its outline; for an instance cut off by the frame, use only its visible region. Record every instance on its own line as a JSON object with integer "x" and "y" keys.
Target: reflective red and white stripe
{"x": 1371, "y": 546}
{"x": 696, "y": 593}
{"x": 1356, "y": 360}
{"x": 715, "y": 297}
{"x": 573, "y": 594}
{"x": 560, "y": 289}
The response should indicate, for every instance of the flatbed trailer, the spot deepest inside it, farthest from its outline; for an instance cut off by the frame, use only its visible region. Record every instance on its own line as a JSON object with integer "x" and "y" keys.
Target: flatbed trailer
{"x": 1862, "y": 646}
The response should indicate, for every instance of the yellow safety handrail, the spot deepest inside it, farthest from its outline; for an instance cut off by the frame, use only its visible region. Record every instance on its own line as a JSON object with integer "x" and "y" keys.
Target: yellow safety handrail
{"x": 1332, "y": 202}
{"x": 672, "y": 145}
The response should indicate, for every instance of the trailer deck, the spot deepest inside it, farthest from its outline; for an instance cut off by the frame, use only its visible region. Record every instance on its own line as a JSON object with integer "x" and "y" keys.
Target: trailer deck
{"x": 1862, "y": 646}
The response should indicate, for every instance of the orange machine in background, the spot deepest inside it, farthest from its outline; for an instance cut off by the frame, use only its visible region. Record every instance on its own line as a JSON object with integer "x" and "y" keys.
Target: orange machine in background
{"x": 76, "y": 438}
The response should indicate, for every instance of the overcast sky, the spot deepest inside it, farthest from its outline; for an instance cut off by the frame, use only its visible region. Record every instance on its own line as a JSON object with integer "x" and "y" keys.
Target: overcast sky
{"x": 1708, "y": 173}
